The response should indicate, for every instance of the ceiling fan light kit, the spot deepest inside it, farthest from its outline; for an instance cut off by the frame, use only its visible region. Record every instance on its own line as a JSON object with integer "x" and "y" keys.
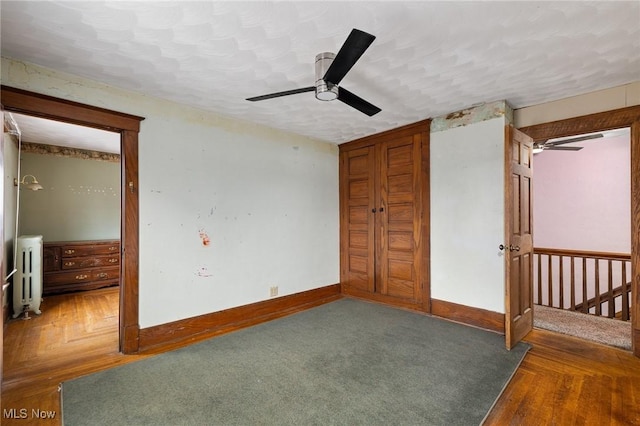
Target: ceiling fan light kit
{"x": 324, "y": 91}
{"x": 330, "y": 69}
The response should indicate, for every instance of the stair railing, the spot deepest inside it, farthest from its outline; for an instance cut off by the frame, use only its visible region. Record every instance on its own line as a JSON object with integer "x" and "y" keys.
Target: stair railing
{"x": 592, "y": 282}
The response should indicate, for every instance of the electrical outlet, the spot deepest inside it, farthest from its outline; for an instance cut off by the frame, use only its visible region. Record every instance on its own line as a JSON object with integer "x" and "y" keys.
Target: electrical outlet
{"x": 273, "y": 291}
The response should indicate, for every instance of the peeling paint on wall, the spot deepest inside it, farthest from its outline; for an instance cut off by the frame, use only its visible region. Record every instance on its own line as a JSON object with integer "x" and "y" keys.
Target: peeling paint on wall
{"x": 474, "y": 114}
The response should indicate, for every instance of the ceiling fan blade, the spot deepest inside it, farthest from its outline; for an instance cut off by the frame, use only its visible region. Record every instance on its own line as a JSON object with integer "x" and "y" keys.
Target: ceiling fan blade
{"x": 355, "y": 45}
{"x": 571, "y": 140}
{"x": 562, "y": 148}
{"x": 279, "y": 94}
{"x": 357, "y": 102}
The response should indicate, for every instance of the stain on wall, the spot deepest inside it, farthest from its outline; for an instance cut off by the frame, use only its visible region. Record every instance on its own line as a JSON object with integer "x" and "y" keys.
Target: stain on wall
{"x": 206, "y": 241}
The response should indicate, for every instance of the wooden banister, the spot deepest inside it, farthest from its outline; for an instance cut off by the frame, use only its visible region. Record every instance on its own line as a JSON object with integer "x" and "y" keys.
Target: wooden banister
{"x": 583, "y": 280}
{"x": 609, "y": 295}
{"x": 583, "y": 253}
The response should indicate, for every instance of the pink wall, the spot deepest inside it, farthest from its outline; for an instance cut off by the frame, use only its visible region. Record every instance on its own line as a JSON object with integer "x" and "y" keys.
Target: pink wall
{"x": 582, "y": 198}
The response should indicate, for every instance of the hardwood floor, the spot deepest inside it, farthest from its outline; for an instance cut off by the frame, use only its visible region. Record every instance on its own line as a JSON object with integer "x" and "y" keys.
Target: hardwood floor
{"x": 562, "y": 380}
{"x": 568, "y": 381}
{"x": 76, "y": 334}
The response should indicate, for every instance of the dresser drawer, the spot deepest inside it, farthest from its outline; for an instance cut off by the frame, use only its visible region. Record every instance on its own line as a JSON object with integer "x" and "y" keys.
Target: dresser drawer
{"x": 82, "y": 275}
{"x": 51, "y": 259}
{"x": 58, "y": 278}
{"x": 90, "y": 262}
{"x": 110, "y": 273}
{"x": 89, "y": 250}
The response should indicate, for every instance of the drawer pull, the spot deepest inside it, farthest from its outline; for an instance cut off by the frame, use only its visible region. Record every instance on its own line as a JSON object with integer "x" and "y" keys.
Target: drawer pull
{"x": 69, "y": 251}
{"x": 82, "y": 277}
{"x": 103, "y": 275}
{"x": 113, "y": 260}
{"x": 69, "y": 263}
{"x": 112, "y": 248}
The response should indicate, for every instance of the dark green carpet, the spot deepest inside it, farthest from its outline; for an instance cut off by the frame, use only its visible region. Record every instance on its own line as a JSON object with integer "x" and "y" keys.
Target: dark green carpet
{"x": 344, "y": 363}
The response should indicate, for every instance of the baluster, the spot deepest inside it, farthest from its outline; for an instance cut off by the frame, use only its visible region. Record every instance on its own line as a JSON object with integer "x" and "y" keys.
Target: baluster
{"x": 573, "y": 284}
{"x": 597, "y": 280}
{"x": 539, "y": 279}
{"x": 585, "y": 300}
{"x": 625, "y": 294}
{"x": 611, "y": 306}
{"x": 561, "y": 272}
{"x": 550, "y": 280}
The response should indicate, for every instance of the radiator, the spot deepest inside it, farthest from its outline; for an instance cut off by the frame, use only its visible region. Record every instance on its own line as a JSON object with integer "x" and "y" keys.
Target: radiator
{"x": 27, "y": 281}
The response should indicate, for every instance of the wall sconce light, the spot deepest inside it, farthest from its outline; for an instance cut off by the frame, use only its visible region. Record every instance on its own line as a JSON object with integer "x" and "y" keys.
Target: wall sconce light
{"x": 33, "y": 184}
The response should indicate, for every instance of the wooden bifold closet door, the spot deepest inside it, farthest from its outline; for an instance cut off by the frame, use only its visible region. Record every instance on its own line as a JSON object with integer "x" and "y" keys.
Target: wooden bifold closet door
{"x": 382, "y": 217}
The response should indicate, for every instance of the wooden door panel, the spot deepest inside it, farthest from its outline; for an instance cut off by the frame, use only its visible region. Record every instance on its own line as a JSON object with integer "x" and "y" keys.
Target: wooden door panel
{"x": 527, "y": 211}
{"x": 358, "y": 189}
{"x": 400, "y": 155}
{"x": 518, "y": 235}
{"x": 401, "y": 270}
{"x": 358, "y": 239}
{"x": 401, "y": 289}
{"x": 400, "y": 241}
{"x": 400, "y": 223}
{"x": 400, "y": 184}
{"x": 359, "y": 165}
{"x": 400, "y": 213}
{"x": 359, "y": 214}
{"x": 357, "y": 180}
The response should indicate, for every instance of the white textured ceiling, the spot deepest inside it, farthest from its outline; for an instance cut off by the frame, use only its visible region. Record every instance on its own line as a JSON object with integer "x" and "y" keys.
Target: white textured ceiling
{"x": 429, "y": 58}
{"x": 49, "y": 132}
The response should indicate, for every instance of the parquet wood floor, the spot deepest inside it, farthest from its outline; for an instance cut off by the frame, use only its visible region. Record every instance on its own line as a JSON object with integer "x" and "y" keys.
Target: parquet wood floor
{"x": 562, "y": 380}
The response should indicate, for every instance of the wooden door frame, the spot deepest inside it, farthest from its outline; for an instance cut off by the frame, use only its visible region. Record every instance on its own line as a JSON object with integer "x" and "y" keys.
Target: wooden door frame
{"x": 598, "y": 122}
{"x": 128, "y": 126}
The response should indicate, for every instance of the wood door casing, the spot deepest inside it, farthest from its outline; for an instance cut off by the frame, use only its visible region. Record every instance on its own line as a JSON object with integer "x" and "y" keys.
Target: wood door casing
{"x": 599, "y": 122}
{"x": 518, "y": 235}
{"x": 399, "y": 223}
{"x": 128, "y": 126}
{"x": 358, "y": 199}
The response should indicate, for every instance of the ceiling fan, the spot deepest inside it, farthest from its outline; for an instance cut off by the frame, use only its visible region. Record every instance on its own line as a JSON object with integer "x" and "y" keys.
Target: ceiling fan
{"x": 331, "y": 69}
{"x": 553, "y": 145}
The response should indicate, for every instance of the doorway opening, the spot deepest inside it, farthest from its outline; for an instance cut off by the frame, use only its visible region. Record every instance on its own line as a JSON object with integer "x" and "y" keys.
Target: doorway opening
{"x": 582, "y": 257}
{"x": 75, "y": 211}
{"x": 128, "y": 126}
{"x": 598, "y": 122}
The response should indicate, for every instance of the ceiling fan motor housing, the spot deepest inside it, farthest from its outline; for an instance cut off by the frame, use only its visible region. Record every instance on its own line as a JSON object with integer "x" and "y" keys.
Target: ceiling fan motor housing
{"x": 324, "y": 91}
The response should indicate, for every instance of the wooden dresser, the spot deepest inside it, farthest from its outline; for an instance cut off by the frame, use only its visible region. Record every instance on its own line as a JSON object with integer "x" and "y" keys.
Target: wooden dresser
{"x": 80, "y": 265}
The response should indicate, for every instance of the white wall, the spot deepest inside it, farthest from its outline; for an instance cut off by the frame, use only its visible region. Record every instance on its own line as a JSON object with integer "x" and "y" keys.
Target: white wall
{"x": 582, "y": 202}
{"x": 582, "y": 198}
{"x": 266, "y": 199}
{"x": 80, "y": 199}
{"x": 10, "y": 192}
{"x": 467, "y": 215}
{"x": 576, "y": 106}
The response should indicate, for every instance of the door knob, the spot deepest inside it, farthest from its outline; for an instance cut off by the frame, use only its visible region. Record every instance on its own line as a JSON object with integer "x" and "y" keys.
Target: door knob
{"x": 502, "y": 247}
{"x": 512, "y": 248}
{"x": 373, "y": 210}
